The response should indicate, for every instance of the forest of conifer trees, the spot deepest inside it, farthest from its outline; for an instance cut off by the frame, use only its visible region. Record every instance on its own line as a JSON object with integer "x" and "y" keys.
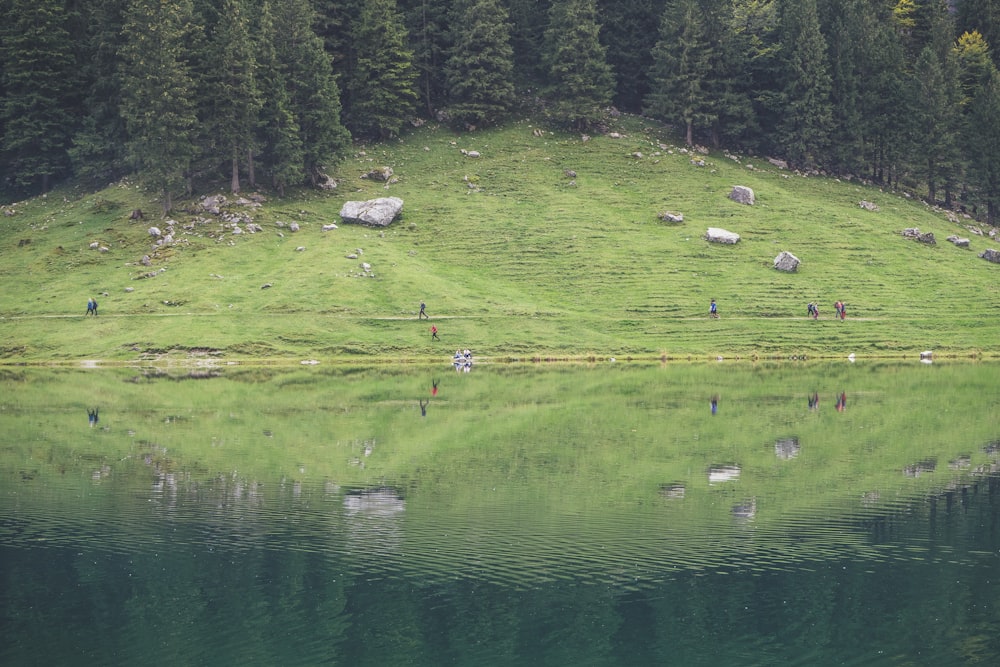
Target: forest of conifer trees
{"x": 188, "y": 94}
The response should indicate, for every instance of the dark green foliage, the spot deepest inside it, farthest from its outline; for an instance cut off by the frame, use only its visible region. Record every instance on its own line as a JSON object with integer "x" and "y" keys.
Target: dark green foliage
{"x": 982, "y": 16}
{"x": 480, "y": 67}
{"x": 681, "y": 60}
{"x": 381, "y": 92}
{"x": 40, "y": 92}
{"x": 428, "y": 24}
{"x": 581, "y": 83}
{"x": 313, "y": 95}
{"x": 235, "y": 96}
{"x": 157, "y": 88}
{"x": 983, "y": 145}
{"x": 625, "y": 31}
{"x": 806, "y": 113}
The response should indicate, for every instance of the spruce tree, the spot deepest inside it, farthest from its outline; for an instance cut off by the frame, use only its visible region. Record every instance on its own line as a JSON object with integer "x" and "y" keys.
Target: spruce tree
{"x": 934, "y": 122}
{"x": 235, "y": 97}
{"x": 40, "y": 92}
{"x": 479, "y": 69}
{"x": 629, "y": 41}
{"x": 156, "y": 93}
{"x": 806, "y": 115}
{"x": 278, "y": 136}
{"x": 680, "y": 69}
{"x": 380, "y": 87}
{"x": 983, "y": 146}
{"x": 314, "y": 97}
{"x": 98, "y": 150}
{"x": 429, "y": 25}
{"x": 581, "y": 83}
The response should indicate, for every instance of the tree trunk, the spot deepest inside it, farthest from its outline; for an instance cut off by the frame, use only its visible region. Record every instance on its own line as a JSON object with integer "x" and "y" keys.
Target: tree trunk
{"x": 251, "y": 176}
{"x": 234, "y": 184}
{"x": 690, "y": 133}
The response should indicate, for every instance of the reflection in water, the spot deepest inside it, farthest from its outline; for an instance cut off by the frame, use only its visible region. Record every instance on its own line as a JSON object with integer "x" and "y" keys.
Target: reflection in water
{"x": 250, "y": 518}
{"x": 786, "y": 448}
{"x": 841, "y": 404}
{"x": 92, "y": 416}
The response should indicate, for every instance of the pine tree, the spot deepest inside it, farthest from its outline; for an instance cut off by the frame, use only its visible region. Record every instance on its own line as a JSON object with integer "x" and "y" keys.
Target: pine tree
{"x": 625, "y": 31}
{"x": 529, "y": 19}
{"x": 934, "y": 121}
{"x": 680, "y": 69}
{"x": 156, "y": 93}
{"x": 983, "y": 145}
{"x": 40, "y": 92}
{"x": 803, "y": 130}
{"x": 236, "y": 99}
{"x": 480, "y": 65}
{"x": 314, "y": 97}
{"x": 380, "y": 87}
{"x": 581, "y": 83}
{"x": 427, "y": 23}
{"x": 278, "y": 130}
{"x": 98, "y": 152}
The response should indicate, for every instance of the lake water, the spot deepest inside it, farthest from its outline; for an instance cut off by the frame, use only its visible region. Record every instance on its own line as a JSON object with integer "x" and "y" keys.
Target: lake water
{"x": 612, "y": 514}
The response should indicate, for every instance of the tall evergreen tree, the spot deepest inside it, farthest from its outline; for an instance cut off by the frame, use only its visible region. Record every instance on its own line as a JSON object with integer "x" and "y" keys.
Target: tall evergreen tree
{"x": 626, "y": 34}
{"x": 934, "y": 121}
{"x": 803, "y": 131}
{"x": 40, "y": 92}
{"x": 845, "y": 31}
{"x": 98, "y": 151}
{"x": 581, "y": 83}
{"x": 983, "y": 146}
{"x": 529, "y": 19}
{"x": 380, "y": 87}
{"x": 431, "y": 29}
{"x": 278, "y": 136}
{"x": 235, "y": 95}
{"x": 312, "y": 89}
{"x": 680, "y": 69}
{"x": 480, "y": 66}
{"x": 156, "y": 92}
{"x": 752, "y": 52}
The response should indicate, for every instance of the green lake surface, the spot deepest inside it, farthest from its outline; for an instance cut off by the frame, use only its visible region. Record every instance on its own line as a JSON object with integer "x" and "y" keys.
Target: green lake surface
{"x": 606, "y": 514}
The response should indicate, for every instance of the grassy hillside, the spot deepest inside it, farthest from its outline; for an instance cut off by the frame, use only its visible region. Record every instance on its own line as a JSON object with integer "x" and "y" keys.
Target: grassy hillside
{"x": 514, "y": 258}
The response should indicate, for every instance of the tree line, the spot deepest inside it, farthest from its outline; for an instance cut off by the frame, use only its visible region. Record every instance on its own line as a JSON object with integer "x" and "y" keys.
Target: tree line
{"x": 271, "y": 93}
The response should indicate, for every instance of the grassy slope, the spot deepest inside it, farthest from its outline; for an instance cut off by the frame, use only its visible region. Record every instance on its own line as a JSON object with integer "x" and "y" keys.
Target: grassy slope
{"x": 526, "y": 264}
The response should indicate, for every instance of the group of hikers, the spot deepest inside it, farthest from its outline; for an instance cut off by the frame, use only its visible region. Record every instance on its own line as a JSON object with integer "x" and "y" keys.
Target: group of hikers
{"x": 812, "y": 310}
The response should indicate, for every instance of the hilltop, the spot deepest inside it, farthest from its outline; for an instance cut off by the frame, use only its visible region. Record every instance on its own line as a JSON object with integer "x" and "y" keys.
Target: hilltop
{"x": 544, "y": 246}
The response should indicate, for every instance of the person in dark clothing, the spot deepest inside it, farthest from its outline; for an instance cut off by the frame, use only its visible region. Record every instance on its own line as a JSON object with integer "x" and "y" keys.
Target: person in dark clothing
{"x": 92, "y": 417}
{"x": 423, "y": 314}
{"x": 92, "y": 307}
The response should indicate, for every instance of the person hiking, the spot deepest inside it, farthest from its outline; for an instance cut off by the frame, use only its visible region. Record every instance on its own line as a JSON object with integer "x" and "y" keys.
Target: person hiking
{"x": 423, "y": 314}
{"x": 841, "y": 311}
{"x": 434, "y": 333}
{"x": 713, "y": 310}
{"x": 91, "y": 307}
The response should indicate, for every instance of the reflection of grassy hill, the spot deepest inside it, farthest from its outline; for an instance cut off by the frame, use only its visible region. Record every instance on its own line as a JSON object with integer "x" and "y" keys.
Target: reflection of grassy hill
{"x": 577, "y": 439}
{"x": 514, "y": 258}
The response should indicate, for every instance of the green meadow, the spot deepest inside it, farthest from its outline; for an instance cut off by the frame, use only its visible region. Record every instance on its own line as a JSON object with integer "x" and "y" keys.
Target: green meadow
{"x": 515, "y": 259}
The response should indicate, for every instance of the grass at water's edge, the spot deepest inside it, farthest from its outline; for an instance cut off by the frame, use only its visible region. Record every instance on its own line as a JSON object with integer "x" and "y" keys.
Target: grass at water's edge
{"x": 545, "y": 248}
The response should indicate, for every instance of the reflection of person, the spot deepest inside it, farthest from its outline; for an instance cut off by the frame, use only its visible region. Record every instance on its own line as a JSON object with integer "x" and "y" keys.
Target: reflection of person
{"x": 92, "y": 417}
{"x": 715, "y": 404}
{"x": 841, "y": 402}
{"x": 434, "y": 387}
{"x": 423, "y": 407}
{"x": 422, "y": 313}
{"x": 814, "y": 401}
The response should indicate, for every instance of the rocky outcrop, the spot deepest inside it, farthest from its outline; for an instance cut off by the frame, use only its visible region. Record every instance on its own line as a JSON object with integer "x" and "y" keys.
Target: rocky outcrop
{"x": 373, "y": 213}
